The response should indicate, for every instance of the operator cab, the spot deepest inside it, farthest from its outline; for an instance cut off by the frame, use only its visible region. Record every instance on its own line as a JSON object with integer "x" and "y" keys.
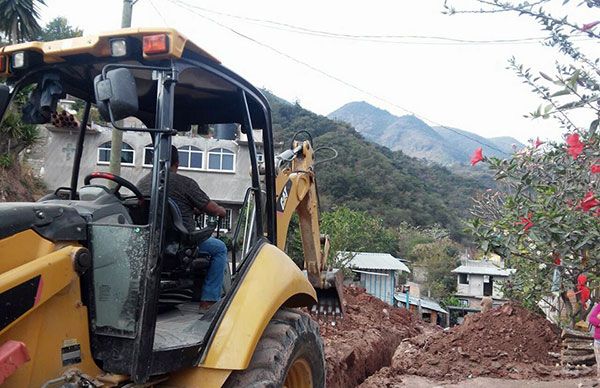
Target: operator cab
{"x": 141, "y": 254}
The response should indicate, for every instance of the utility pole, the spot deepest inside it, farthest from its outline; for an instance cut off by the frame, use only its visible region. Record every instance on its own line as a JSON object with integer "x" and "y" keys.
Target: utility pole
{"x": 117, "y": 135}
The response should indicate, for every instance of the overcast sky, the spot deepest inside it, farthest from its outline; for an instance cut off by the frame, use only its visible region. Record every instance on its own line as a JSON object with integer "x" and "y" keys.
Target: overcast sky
{"x": 465, "y": 86}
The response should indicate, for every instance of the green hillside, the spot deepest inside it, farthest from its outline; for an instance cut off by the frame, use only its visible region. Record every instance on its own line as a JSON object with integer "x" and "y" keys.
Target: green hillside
{"x": 367, "y": 176}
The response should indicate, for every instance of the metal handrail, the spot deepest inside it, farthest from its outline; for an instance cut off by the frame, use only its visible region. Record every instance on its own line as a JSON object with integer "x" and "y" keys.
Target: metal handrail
{"x": 237, "y": 232}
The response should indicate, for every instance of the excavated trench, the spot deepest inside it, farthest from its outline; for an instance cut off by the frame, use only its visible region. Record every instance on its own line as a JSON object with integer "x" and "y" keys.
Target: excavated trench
{"x": 509, "y": 342}
{"x": 365, "y": 340}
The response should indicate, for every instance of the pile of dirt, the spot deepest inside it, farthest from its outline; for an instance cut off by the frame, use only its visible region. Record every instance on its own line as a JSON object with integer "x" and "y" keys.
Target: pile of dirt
{"x": 365, "y": 339}
{"x": 506, "y": 342}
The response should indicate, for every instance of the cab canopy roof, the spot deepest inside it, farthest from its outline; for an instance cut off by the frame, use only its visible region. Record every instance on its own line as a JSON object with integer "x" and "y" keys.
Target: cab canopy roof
{"x": 206, "y": 91}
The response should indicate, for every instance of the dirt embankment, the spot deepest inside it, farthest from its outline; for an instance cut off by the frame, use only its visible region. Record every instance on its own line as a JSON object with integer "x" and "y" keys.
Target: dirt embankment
{"x": 17, "y": 184}
{"x": 506, "y": 342}
{"x": 365, "y": 340}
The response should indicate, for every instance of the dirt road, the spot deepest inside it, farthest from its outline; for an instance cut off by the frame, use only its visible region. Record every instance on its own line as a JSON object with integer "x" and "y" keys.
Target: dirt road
{"x": 485, "y": 382}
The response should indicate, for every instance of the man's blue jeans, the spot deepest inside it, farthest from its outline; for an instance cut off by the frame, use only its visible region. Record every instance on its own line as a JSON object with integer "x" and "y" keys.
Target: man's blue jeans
{"x": 213, "y": 283}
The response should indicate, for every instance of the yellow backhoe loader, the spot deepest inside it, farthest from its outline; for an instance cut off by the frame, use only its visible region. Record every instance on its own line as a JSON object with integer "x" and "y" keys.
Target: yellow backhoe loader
{"x": 85, "y": 270}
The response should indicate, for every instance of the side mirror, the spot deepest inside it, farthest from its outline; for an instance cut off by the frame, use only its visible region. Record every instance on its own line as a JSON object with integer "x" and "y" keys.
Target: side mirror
{"x": 116, "y": 95}
{"x": 4, "y": 99}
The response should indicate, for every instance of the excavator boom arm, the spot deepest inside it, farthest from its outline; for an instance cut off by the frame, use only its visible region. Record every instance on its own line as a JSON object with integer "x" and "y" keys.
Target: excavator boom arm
{"x": 297, "y": 194}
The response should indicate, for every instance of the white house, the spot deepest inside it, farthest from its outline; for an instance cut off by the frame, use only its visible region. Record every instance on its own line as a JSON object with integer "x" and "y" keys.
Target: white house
{"x": 479, "y": 278}
{"x": 220, "y": 166}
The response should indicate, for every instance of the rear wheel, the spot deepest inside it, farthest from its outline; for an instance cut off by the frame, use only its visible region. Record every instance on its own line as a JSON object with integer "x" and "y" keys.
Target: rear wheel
{"x": 289, "y": 354}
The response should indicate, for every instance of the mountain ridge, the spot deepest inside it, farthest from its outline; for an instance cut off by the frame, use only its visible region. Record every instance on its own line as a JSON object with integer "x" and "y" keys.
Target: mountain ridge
{"x": 414, "y": 137}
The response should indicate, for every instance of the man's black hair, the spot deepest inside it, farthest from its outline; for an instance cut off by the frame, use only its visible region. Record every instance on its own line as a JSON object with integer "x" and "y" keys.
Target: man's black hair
{"x": 174, "y": 156}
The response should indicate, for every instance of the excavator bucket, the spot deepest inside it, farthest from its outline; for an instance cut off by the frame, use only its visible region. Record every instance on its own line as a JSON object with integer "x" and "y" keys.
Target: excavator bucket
{"x": 330, "y": 296}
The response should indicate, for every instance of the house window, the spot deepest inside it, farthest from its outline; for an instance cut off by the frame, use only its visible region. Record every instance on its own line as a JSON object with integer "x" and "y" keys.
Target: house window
{"x": 463, "y": 278}
{"x": 190, "y": 157}
{"x": 221, "y": 159}
{"x": 127, "y": 154}
{"x": 206, "y": 220}
{"x": 148, "y": 155}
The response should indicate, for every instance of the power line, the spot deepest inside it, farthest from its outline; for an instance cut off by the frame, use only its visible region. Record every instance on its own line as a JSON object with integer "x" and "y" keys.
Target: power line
{"x": 350, "y": 85}
{"x": 442, "y": 40}
{"x": 159, "y": 13}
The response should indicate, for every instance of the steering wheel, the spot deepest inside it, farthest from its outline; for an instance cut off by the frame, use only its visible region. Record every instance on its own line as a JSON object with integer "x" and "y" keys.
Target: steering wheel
{"x": 121, "y": 182}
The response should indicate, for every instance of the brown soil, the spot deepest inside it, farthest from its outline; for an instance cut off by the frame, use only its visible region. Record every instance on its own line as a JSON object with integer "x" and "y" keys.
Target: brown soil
{"x": 365, "y": 339}
{"x": 506, "y": 342}
{"x": 18, "y": 184}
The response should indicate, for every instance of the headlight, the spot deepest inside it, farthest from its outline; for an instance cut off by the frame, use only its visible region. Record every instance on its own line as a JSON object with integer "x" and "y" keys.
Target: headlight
{"x": 19, "y": 60}
{"x": 118, "y": 47}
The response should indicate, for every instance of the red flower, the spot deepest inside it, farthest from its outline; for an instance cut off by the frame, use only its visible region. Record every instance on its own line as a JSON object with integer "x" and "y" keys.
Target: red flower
{"x": 575, "y": 145}
{"x": 477, "y": 156}
{"x": 556, "y": 257}
{"x": 537, "y": 143}
{"x": 595, "y": 168}
{"x": 589, "y": 201}
{"x": 526, "y": 222}
{"x": 589, "y": 26}
{"x": 585, "y": 293}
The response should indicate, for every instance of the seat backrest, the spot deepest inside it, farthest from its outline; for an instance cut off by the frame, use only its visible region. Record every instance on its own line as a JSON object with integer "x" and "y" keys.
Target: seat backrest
{"x": 174, "y": 218}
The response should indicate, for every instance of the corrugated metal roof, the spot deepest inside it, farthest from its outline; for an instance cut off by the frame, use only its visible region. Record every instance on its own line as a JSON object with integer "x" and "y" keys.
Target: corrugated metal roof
{"x": 425, "y": 303}
{"x": 368, "y": 260}
{"x": 479, "y": 267}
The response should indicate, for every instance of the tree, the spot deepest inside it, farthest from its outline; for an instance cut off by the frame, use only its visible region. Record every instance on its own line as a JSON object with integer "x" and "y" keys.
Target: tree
{"x": 15, "y": 135}
{"x": 546, "y": 221}
{"x": 349, "y": 231}
{"x": 19, "y": 19}
{"x": 355, "y": 231}
{"x": 439, "y": 258}
{"x": 59, "y": 28}
{"x": 432, "y": 251}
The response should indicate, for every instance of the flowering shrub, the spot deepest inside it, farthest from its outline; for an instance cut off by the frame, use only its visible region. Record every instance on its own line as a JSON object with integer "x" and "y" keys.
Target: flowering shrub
{"x": 548, "y": 219}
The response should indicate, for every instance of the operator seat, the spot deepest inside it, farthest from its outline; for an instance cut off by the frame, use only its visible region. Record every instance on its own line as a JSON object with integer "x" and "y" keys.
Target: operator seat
{"x": 184, "y": 267}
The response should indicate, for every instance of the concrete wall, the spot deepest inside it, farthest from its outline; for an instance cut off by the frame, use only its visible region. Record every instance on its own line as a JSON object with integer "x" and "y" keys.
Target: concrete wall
{"x": 475, "y": 286}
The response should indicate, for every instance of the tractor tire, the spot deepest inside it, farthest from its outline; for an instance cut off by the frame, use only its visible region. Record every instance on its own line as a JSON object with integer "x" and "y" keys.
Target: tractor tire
{"x": 289, "y": 354}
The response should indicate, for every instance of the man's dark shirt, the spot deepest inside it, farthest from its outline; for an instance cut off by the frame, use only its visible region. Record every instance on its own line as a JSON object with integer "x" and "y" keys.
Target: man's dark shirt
{"x": 184, "y": 191}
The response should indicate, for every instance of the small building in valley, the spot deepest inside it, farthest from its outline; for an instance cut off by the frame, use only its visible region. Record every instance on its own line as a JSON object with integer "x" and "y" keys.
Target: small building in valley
{"x": 476, "y": 279}
{"x": 377, "y": 272}
{"x": 428, "y": 309}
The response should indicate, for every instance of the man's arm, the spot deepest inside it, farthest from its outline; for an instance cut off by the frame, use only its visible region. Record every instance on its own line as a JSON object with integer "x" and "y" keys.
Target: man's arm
{"x": 214, "y": 209}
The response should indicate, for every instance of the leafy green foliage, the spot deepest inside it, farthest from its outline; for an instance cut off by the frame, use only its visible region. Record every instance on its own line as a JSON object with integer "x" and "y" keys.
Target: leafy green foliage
{"x": 356, "y": 231}
{"x": 548, "y": 222}
{"x": 430, "y": 249}
{"x": 349, "y": 231}
{"x": 549, "y": 214}
{"x": 19, "y": 19}
{"x": 15, "y": 136}
{"x": 59, "y": 28}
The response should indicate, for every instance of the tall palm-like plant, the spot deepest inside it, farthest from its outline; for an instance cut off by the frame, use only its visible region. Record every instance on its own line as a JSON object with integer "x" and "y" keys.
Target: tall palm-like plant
{"x": 19, "y": 19}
